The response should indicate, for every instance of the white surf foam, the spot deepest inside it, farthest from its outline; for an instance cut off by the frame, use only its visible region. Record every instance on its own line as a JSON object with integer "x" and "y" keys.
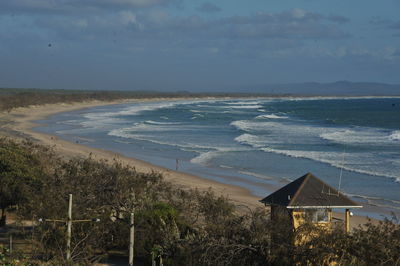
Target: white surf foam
{"x": 98, "y": 122}
{"x": 151, "y": 128}
{"x": 272, "y": 116}
{"x": 137, "y": 109}
{"x": 377, "y": 201}
{"x": 289, "y": 131}
{"x": 244, "y": 103}
{"x": 280, "y": 128}
{"x": 205, "y": 157}
{"x": 256, "y": 175}
{"x": 251, "y": 140}
{"x": 318, "y": 98}
{"x": 362, "y": 163}
{"x": 102, "y": 119}
{"x": 74, "y": 122}
{"x": 226, "y": 166}
{"x": 205, "y": 111}
{"x": 395, "y": 135}
{"x": 243, "y": 125}
{"x": 151, "y": 122}
{"x": 128, "y": 133}
{"x": 255, "y": 126}
{"x": 197, "y": 116}
{"x": 362, "y": 136}
{"x": 255, "y": 106}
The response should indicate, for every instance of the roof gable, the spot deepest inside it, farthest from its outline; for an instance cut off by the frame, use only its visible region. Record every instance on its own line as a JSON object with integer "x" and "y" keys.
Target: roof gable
{"x": 309, "y": 191}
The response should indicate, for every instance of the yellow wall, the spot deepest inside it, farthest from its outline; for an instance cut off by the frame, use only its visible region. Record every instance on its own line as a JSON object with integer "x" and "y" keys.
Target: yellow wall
{"x": 299, "y": 219}
{"x": 298, "y": 216}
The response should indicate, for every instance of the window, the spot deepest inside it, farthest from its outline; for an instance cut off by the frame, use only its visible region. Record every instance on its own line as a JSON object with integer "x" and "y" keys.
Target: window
{"x": 317, "y": 215}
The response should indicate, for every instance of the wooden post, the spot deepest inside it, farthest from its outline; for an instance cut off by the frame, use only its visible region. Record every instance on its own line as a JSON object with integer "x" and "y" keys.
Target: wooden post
{"x": 69, "y": 227}
{"x": 153, "y": 259}
{"x": 131, "y": 238}
{"x": 69, "y": 222}
{"x": 11, "y": 244}
{"x": 347, "y": 220}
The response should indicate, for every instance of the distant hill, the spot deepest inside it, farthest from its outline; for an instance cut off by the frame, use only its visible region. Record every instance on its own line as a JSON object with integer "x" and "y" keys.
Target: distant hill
{"x": 335, "y": 88}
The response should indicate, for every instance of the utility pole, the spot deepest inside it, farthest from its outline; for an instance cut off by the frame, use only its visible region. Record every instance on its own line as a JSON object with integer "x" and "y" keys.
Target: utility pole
{"x": 131, "y": 238}
{"x": 69, "y": 222}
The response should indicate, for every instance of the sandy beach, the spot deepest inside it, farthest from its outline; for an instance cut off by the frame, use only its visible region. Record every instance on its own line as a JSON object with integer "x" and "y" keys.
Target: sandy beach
{"x": 19, "y": 124}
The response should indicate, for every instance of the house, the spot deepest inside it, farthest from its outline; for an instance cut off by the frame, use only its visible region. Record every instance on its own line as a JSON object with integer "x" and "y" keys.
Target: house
{"x": 309, "y": 199}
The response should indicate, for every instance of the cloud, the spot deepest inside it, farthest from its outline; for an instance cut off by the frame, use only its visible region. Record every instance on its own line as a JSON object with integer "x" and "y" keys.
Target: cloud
{"x": 379, "y": 21}
{"x": 338, "y": 19}
{"x": 122, "y": 3}
{"x": 385, "y": 24}
{"x": 387, "y": 53}
{"x": 78, "y": 6}
{"x": 101, "y": 16}
{"x": 158, "y": 29}
{"x": 128, "y": 17}
{"x": 208, "y": 7}
{"x": 292, "y": 24}
{"x": 395, "y": 25}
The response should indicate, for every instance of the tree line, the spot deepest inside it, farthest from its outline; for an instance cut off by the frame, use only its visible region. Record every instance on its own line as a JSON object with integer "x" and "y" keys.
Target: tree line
{"x": 13, "y": 98}
{"x": 183, "y": 227}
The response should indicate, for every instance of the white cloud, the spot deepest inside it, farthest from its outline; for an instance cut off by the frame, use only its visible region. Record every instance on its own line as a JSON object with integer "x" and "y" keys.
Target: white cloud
{"x": 80, "y": 23}
{"x": 77, "y": 6}
{"x": 158, "y": 16}
{"x": 128, "y": 17}
{"x": 134, "y": 3}
{"x": 208, "y": 7}
{"x": 298, "y": 13}
{"x": 213, "y": 50}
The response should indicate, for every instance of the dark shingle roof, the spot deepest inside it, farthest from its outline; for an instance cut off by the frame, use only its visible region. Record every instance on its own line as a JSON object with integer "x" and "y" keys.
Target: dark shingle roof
{"x": 309, "y": 191}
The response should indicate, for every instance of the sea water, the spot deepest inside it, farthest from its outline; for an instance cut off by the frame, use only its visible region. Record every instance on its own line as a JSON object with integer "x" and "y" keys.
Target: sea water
{"x": 260, "y": 144}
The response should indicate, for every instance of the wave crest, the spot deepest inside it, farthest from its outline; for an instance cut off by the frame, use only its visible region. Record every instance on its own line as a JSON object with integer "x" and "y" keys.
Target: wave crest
{"x": 395, "y": 135}
{"x": 272, "y": 116}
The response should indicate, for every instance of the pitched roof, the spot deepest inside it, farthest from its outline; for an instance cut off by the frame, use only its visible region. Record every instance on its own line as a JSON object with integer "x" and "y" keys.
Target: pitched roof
{"x": 309, "y": 191}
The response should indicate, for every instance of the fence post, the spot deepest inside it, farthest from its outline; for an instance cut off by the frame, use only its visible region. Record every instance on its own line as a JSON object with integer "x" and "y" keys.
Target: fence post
{"x": 69, "y": 227}
{"x": 131, "y": 238}
{"x": 11, "y": 243}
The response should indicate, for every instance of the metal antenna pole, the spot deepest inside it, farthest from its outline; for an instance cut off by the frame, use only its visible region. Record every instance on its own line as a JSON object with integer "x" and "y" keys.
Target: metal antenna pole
{"x": 69, "y": 227}
{"x": 341, "y": 172}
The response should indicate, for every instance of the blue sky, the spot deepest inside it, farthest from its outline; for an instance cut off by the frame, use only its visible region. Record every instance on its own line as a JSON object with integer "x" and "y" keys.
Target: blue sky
{"x": 196, "y": 45}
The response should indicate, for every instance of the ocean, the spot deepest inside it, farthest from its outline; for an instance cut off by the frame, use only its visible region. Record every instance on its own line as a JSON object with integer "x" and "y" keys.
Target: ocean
{"x": 260, "y": 144}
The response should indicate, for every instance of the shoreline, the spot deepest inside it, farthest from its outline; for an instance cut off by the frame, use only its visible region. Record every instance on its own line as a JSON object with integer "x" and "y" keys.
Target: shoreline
{"x": 21, "y": 124}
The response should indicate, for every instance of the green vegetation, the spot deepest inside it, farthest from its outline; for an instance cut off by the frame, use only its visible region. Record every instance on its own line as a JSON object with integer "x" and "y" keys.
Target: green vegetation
{"x": 13, "y": 98}
{"x": 20, "y": 173}
{"x": 184, "y": 227}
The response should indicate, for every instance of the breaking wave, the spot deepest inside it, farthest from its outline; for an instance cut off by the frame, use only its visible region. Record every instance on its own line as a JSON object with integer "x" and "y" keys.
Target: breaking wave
{"x": 271, "y": 117}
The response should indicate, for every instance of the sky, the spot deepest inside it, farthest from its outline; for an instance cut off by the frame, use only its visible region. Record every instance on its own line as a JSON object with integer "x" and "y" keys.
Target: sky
{"x": 196, "y": 45}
